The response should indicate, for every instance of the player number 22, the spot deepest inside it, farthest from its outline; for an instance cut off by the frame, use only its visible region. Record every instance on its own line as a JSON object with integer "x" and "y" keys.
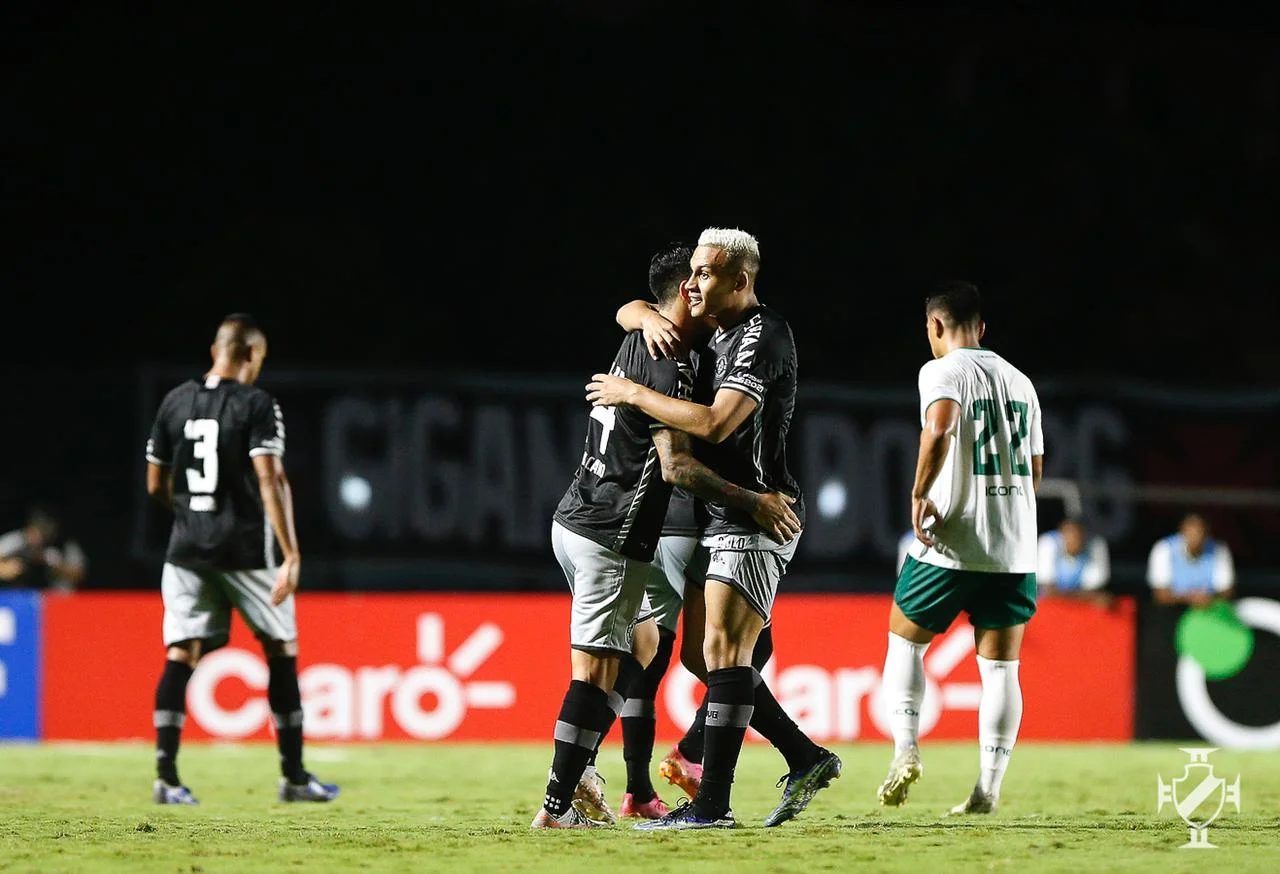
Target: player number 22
{"x": 986, "y": 460}
{"x": 204, "y": 436}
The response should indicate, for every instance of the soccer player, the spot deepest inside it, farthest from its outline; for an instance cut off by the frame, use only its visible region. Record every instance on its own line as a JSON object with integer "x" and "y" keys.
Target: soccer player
{"x": 215, "y": 459}
{"x": 605, "y": 535}
{"x": 973, "y": 511}
{"x": 683, "y": 562}
{"x": 753, "y": 377}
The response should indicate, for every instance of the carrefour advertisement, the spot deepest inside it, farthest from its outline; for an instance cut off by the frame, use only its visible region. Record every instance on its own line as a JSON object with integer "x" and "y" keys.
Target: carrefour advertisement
{"x": 481, "y": 667}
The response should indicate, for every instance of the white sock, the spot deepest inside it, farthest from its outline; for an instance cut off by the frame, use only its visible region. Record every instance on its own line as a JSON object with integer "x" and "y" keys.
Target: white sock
{"x": 999, "y": 715}
{"x": 902, "y": 690}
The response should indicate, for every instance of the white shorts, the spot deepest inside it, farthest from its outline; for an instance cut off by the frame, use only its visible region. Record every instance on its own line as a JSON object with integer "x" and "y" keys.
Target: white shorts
{"x": 197, "y": 605}
{"x": 751, "y": 563}
{"x": 608, "y": 592}
{"x": 676, "y": 557}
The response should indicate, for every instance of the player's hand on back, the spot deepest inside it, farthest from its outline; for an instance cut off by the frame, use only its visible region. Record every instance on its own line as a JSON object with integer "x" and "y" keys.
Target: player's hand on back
{"x": 775, "y": 517}
{"x": 660, "y": 336}
{"x": 924, "y": 513}
{"x": 286, "y": 580}
{"x": 606, "y": 390}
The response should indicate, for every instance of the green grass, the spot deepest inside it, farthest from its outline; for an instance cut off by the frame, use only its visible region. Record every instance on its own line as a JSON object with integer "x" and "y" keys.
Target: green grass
{"x": 453, "y": 807}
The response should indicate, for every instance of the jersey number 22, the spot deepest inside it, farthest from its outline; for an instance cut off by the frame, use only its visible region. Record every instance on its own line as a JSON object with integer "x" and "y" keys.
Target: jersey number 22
{"x": 986, "y": 459}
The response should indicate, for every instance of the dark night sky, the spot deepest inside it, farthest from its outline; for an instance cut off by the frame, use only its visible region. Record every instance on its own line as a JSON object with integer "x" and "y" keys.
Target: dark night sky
{"x": 389, "y": 190}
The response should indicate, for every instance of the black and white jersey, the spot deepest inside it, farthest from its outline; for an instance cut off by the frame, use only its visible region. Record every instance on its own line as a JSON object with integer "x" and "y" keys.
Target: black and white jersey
{"x": 208, "y": 432}
{"x": 757, "y": 357}
{"x": 682, "y": 515}
{"x": 618, "y": 498}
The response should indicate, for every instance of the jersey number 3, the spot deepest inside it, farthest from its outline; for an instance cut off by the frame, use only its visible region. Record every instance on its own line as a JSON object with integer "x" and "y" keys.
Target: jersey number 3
{"x": 202, "y": 482}
{"x": 986, "y": 460}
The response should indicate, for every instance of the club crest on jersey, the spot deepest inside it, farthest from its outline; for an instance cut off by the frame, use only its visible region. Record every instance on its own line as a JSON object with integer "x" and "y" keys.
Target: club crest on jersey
{"x": 722, "y": 367}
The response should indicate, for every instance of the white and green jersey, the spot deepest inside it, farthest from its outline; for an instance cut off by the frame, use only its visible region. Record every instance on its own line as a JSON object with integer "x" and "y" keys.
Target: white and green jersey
{"x": 984, "y": 494}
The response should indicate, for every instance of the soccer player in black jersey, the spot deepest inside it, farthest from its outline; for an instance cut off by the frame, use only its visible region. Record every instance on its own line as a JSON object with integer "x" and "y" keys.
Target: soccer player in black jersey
{"x": 744, "y": 428}
{"x": 605, "y": 534}
{"x": 215, "y": 459}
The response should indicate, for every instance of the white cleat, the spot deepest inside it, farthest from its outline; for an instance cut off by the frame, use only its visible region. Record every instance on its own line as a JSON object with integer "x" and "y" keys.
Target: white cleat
{"x": 905, "y": 770}
{"x": 589, "y": 796}
{"x": 978, "y": 802}
{"x": 571, "y": 818}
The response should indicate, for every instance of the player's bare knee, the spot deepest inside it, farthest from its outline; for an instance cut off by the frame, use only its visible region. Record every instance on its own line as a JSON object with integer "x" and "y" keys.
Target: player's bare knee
{"x": 644, "y": 644}
{"x": 187, "y": 652}
{"x": 278, "y": 648}
{"x": 720, "y": 649}
{"x": 692, "y": 658}
{"x": 999, "y": 644}
{"x": 597, "y": 669}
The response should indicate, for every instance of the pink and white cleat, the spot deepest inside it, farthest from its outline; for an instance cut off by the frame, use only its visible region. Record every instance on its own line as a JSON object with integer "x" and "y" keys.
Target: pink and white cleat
{"x": 654, "y": 808}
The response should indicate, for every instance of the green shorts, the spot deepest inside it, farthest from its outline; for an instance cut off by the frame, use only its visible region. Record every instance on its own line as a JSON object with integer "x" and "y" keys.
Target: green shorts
{"x": 932, "y": 597}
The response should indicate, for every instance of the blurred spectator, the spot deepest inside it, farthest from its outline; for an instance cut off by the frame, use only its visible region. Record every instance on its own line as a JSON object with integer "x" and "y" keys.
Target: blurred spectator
{"x": 1190, "y": 567}
{"x": 37, "y": 556}
{"x": 1073, "y": 564}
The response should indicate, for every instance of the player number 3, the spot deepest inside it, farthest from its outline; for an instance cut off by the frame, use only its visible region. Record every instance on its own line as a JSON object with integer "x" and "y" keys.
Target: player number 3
{"x": 202, "y": 482}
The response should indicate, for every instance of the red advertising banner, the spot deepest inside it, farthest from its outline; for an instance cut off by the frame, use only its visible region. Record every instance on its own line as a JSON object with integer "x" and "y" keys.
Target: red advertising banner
{"x": 494, "y": 667}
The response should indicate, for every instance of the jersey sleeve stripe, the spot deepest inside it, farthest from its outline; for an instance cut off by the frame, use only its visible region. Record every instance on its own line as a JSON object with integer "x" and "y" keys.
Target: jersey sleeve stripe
{"x": 941, "y": 396}
{"x": 152, "y": 459}
{"x": 742, "y": 389}
{"x": 277, "y": 451}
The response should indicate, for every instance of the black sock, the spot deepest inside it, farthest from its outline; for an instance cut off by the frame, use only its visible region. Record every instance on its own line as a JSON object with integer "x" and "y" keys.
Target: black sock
{"x": 639, "y": 720}
{"x": 628, "y": 671}
{"x": 764, "y": 648}
{"x": 577, "y": 735}
{"x": 691, "y": 745}
{"x": 729, "y": 706}
{"x": 169, "y": 715}
{"x": 779, "y": 729}
{"x": 286, "y": 707}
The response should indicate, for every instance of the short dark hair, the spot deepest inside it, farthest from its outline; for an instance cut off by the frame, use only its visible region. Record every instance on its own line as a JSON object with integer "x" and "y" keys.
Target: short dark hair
{"x": 237, "y": 332}
{"x": 957, "y": 302}
{"x": 667, "y": 269}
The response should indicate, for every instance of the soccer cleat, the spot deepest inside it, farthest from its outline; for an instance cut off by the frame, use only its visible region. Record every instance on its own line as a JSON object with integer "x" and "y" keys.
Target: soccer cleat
{"x": 905, "y": 770}
{"x": 684, "y": 817}
{"x": 654, "y": 808}
{"x": 571, "y": 818}
{"x": 802, "y": 786}
{"x": 680, "y": 772}
{"x": 978, "y": 802}
{"x": 589, "y": 796}
{"x": 163, "y": 793}
{"x": 312, "y": 790}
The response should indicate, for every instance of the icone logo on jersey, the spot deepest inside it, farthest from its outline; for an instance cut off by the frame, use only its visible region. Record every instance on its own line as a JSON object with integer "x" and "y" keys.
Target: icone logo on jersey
{"x": 344, "y": 703}
{"x": 827, "y": 703}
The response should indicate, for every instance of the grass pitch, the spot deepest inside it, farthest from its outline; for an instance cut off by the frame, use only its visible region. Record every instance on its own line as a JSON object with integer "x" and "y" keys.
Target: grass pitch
{"x": 455, "y": 807}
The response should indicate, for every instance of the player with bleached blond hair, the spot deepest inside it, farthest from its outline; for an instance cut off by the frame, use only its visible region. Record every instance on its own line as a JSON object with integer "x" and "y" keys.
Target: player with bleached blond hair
{"x": 752, "y": 361}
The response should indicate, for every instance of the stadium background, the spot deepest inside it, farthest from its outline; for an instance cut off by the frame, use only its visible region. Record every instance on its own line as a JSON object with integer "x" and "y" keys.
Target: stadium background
{"x": 435, "y": 216}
